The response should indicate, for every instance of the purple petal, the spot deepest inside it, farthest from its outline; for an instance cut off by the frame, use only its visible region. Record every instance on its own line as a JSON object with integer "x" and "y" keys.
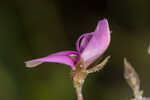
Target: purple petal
{"x": 83, "y": 41}
{"x": 98, "y": 44}
{"x": 65, "y": 57}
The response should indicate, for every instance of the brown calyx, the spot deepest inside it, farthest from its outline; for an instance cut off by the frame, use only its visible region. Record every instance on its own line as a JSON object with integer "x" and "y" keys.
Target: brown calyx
{"x": 79, "y": 74}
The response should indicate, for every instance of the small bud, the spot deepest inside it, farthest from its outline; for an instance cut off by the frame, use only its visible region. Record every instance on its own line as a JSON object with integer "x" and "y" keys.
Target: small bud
{"x": 133, "y": 80}
{"x": 131, "y": 77}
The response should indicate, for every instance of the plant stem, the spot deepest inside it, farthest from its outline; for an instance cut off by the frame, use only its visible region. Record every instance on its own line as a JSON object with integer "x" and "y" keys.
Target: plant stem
{"x": 79, "y": 93}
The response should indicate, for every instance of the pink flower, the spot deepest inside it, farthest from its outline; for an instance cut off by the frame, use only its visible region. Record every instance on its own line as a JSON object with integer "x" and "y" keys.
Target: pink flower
{"x": 89, "y": 47}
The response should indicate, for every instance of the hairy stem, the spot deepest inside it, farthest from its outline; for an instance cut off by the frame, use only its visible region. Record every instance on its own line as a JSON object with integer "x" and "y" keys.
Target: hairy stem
{"x": 99, "y": 66}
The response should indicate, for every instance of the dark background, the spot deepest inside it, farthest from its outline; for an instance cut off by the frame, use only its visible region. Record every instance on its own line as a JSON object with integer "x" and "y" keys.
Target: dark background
{"x": 35, "y": 28}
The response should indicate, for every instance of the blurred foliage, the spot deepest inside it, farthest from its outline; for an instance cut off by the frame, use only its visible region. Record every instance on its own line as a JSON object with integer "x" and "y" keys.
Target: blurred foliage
{"x": 36, "y": 28}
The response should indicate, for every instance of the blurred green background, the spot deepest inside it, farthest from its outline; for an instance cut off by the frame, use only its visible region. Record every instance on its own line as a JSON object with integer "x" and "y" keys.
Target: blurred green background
{"x": 35, "y": 28}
